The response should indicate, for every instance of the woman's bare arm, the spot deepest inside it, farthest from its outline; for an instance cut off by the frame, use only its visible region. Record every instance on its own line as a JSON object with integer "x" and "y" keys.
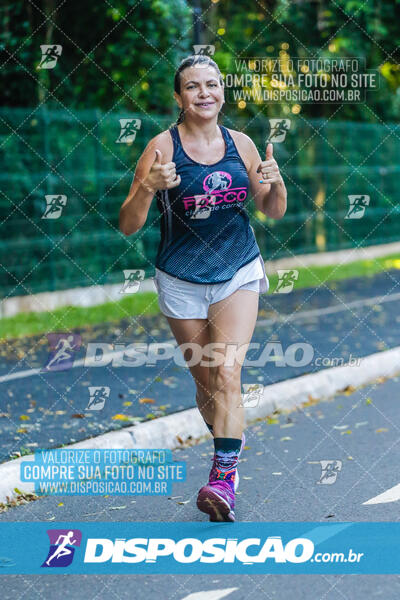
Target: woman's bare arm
{"x": 270, "y": 196}
{"x": 150, "y": 175}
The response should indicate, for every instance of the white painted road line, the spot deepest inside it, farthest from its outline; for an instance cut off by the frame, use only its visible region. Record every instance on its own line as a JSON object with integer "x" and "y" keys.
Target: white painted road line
{"x": 77, "y": 363}
{"x": 19, "y": 375}
{"x": 329, "y": 310}
{"x": 210, "y": 594}
{"x": 306, "y": 314}
{"x": 391, "y": 495}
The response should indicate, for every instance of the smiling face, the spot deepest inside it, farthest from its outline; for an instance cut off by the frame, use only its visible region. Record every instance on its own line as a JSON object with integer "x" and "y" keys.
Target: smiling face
{"x": 201, "y": 95}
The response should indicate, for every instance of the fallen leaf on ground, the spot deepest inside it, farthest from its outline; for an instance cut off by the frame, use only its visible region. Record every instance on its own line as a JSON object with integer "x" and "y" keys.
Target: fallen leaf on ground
{"x": 349, "y": 389}
{"x": 381, "y": 430}
{"x": 119, "y": 417}
{"x": 310, "y": 401}
{"x": 146, "y": 401}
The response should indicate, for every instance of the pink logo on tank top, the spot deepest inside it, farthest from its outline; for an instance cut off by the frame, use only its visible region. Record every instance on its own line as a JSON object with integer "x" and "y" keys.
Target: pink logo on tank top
{"x": 217, "y": 188}
{"x": 218, "y": 180}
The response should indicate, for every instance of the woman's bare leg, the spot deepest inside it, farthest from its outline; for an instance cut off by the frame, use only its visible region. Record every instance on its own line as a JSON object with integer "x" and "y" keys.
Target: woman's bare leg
{"x": 231, "y": 321}
{"x": 196, "y": 331}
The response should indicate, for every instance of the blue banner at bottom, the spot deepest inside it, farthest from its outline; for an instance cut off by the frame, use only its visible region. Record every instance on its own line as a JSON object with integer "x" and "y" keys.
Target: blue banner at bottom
{"x": 192, "y": 548}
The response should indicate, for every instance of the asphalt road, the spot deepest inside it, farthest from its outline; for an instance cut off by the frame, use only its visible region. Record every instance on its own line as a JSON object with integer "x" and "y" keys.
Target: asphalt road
{"x": 334, "y": 321}
{"x": 279, "y": 472}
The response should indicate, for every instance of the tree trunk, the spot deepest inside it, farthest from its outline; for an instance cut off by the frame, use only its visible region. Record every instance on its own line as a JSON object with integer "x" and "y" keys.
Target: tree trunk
{"x": 43, "y": 74}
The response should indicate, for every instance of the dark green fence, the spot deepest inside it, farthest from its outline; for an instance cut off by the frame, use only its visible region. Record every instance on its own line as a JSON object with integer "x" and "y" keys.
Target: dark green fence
{"x": 75, "y": 154}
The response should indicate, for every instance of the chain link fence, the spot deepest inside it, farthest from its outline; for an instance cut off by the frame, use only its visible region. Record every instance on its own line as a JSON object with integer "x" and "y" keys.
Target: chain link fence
{"x": 64, "y": 178}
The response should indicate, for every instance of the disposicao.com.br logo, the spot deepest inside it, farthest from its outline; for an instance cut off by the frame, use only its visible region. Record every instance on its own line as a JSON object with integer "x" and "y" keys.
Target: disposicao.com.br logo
{"x": 191, "y": 550}
{"x": 244, "y": 550}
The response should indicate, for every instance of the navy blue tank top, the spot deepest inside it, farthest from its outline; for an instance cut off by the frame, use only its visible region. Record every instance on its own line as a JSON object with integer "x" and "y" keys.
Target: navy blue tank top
{"x": 205, "y": 230}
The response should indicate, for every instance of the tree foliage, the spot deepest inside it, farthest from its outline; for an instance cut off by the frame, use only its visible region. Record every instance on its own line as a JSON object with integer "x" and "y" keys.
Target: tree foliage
{"x": 123, "y": 54}
{"x": 114, "y": 54}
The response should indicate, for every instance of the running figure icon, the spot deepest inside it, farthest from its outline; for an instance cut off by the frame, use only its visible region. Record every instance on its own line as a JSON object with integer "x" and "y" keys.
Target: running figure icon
{"x": 63, "y": 544}
{"x": 50, "y": 55}
{"x": 279, "y": 129}
{"x": 62, "y": 549}
{"x": 62, "y": 351}
{"x": 55, "y": 205}
{"x": 129, "y": 128}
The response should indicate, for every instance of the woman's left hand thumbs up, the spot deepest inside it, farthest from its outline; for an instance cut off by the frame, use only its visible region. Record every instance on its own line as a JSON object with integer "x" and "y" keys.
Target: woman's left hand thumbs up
{"x": 269, "y": 167}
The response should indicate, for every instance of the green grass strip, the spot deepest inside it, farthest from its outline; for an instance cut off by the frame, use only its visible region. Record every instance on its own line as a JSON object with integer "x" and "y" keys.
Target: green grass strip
{"x": 67, "y": 318}
{"x": 146, "y": 303}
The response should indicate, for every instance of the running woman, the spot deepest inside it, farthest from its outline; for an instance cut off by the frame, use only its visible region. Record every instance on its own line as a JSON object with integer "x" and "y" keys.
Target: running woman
{"x": 209, "y": 270}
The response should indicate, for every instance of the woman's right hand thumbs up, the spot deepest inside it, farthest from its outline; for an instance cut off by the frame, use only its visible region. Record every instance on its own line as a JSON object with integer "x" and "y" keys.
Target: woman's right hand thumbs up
{"x": 161, "y": 177}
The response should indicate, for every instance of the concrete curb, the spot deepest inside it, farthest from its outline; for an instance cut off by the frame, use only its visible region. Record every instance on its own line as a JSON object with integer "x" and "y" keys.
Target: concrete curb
{"x": 164, "y": 431}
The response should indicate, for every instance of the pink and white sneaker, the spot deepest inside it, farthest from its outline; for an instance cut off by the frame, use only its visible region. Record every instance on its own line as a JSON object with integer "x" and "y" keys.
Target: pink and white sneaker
{"x": 217, "y": 498}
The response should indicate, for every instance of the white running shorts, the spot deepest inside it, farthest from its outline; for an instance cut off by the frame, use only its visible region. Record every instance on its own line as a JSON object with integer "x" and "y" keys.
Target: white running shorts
{"x": 186, "y": 300}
